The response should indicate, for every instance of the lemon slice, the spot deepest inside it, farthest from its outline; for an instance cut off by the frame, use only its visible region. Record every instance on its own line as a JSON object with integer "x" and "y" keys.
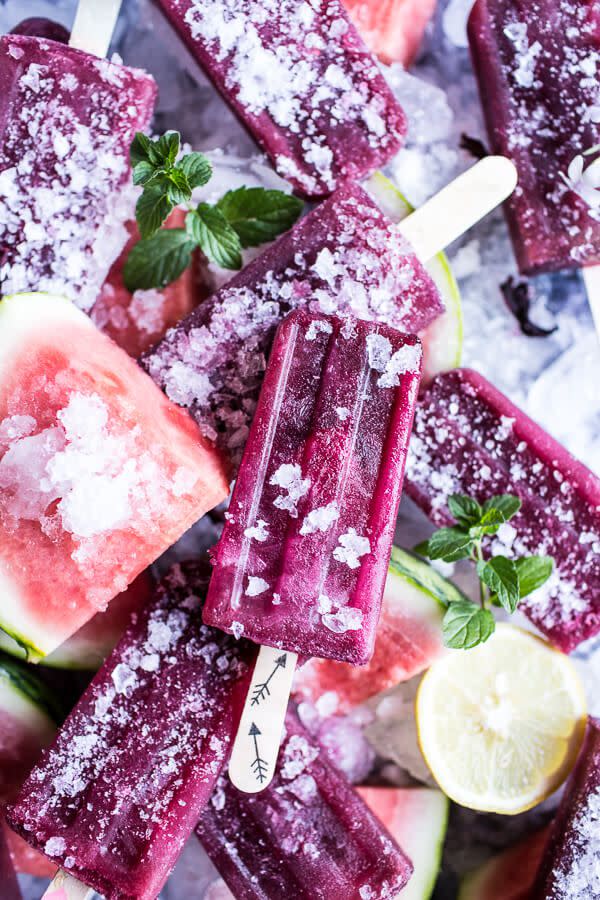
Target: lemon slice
{"x": 500, "y": 726}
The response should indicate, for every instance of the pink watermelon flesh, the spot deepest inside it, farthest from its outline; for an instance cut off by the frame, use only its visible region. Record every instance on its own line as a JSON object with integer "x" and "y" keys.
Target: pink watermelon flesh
{"x": 508, "y": 876}
{"x": 138, "y": 321}
{"x": 393, "y": 29}
{"x": 129, "y": 471}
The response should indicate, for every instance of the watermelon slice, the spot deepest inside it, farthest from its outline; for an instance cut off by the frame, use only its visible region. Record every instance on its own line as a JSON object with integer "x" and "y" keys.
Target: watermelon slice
{"x": 137, "y": 321}
{"x": 87, "y": 649}
{"x": 509, "y": 875}
{"x": 409, "y": 639}
{"x": 392, "y": 29}
{"x": 443, "y": 339}
{"x": 418, "y": 819}
{"x": 99, "y": 472}
{"x": 27, "y": 725}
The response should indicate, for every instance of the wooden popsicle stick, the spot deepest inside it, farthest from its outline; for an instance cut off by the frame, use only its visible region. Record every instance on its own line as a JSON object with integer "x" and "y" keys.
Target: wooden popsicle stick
{"x": 94, "y": 25}
{"x": 256, "y": 746}
{"x": 459, "y": 206}
{"x": 591, "y": 279}
{"x": 65, "y": 887}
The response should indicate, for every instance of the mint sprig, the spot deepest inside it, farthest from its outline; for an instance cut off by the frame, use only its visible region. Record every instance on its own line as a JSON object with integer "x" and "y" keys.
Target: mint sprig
{"x": 245, "y": 217}
{"x": 503, "y": 582}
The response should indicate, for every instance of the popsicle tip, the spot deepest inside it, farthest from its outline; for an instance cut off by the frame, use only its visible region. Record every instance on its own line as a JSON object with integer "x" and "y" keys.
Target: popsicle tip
{"x": 502, "y": 172}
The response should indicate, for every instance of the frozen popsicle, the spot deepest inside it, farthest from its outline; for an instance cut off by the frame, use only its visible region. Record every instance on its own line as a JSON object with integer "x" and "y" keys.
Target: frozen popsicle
{"x": 115, "y": 797}
{"x": 308, "y": 836}
{"x": 469, "y": 438}
{"x": 570, "y": 867}
{"x": 99, "y": 472}
{"x": 67, "y": 120}
{"x": 9, "y": 889}
{"x": 536, "y": 64}
{"x": 301, "y": 80}
{"x": 302, "y": 561}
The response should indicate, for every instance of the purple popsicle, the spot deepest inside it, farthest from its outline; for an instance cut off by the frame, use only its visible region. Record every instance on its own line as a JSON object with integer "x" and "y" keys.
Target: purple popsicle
{"x": 66, "y": 122}
{"x": 116, "y": 796}
{"x": 303, "y": 557}
{"x": 308, "y": 836}
{"x": 301, "y": 80}
{"x": 9, "y": 889}
{"x": 345, "y": 258}
{"x": 570, "y": 867}
{"x": 469, "y": 438}
{"x": 536, "y": 62}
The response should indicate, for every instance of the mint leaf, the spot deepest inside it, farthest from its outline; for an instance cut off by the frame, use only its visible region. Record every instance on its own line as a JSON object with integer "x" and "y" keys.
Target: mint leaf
{"x": 258, "y": 215}
{"x": 152, "y": 209}
{"x": 139, "y": 149}
{"x": 506, "y": 504}
{"x": 163, "y": 152}
{"x": 178, "y": 187}
{"x": 208, "y": 228}
{"x": 501, "y": 576}
{"x": 533, "y": 571}
{"x": 196, "y": 168}
{"x": 158, "y": 260}
{"x": 489, "y": 523}
{"x": 464, "y": 509}
{"x": 449, "y": 544}
{"x": 466, "y": 625}
{"x": 143, "y": 172}
{"x": 422, "y": 549}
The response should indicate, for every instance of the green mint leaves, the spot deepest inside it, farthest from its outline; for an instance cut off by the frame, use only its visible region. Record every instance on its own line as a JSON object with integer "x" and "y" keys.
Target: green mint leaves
{"x": 503, "y": 582}
{"x": 246, "y": 217}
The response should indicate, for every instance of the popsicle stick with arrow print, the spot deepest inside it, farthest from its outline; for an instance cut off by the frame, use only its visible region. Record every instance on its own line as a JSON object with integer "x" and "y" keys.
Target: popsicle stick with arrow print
{"x": 430, "y": 229}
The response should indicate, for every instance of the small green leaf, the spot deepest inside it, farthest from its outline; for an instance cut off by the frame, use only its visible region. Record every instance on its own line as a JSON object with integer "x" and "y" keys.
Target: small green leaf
{"x": 164, "y": 151}
{"x": 178, "y": 187}
{"x": 422, "y": 549}
{"x": 501, "y": 576}
{"x": 139, "y": 149}
{"x": 450, "y": 544}
{"x": 259, "y": 215}
{"x": 152, "y": 209}
{"x": 210, "y": 230}
{"x": 465, "y": 510}
{"x": 489, "y": 523}
{"x": 466, "y": 625}
{"x": 143, "y": 172}
{"x": 506, "y": 504}
{"x": 196, "y": 168}
{"x": 158, "y": 260}
{"x": 533, "y": 571}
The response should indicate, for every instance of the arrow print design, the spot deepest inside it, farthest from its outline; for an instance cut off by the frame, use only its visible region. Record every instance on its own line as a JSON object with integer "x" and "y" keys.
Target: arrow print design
{"x": 261, "y": 691}
{"x": 259, "y": 765}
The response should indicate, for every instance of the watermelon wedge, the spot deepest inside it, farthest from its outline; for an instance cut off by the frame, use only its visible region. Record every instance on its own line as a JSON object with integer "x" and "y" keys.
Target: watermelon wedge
{"x": 392, "y": 29}
{"x": 137, "y": 321}
{"x": 418, "y": 819}
{"x": 27, "y": 725}
{"x": 509, "y": 875}
{"x": 99, "y": 472}
{"x": 87, "y": 649}
{"x": 409, "y": 639}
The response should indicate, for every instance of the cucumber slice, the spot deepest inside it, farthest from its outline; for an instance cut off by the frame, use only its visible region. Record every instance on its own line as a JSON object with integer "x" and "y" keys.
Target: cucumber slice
{"x": 424, "y": 577}
{"x": 418, "y": 819}
{"x": 443, "y": 340}
{"x": 24, "y": 696}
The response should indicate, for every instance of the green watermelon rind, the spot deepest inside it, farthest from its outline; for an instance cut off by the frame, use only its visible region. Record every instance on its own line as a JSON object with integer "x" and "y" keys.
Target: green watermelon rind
{"x": 19, "y": 680}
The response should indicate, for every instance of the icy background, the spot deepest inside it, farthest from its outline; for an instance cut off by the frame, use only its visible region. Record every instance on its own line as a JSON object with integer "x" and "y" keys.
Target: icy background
{"x": 554, "y": 378}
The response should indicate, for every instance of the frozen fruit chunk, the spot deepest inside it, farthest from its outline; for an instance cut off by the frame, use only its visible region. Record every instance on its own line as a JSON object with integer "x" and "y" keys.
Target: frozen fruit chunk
{"x": 303, "y": 557}
{"x": 138, "y": 321}
{"x": 470, "y": 439}
{"x": 99, "y": 472}
{"x": 345, "y": 259}
{"x": 509, "y": 875}
{"x": 68, "y": 119}
{"x": 536, "y": 64}
{"x": 308, "y": 835}
{"x": 569, "y": 867}
{"x": 393, "y": 29}
{"x": 301, "y": 80}
{"x": 116, "y": 796}
{"x": 407, "y": 641}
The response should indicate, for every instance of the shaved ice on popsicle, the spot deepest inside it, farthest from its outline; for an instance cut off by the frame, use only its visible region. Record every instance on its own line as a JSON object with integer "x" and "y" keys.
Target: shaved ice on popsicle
{"x": 67, "y": 120}
{"x": 308, "y": 836}
{"x": 115, "y": 797}
{"x": 301, "y": 80}
{"x": 537, "y": 67}
{"x": 345, "y": 258}
{"x": 470, "y": 439}
{"x": 99, "y": 472}
{"x": 303, "y": 557}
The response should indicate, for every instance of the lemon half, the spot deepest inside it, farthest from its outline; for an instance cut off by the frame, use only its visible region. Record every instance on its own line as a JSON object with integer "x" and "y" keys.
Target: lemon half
{"x": 500, "y": 726}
